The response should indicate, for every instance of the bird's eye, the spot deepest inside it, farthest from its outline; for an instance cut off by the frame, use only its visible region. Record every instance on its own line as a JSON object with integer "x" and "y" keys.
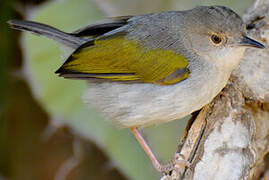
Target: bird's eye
{"x": 216, "y": 39}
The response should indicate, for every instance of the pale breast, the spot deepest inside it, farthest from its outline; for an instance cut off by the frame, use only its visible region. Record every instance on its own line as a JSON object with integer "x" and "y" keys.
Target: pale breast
{"x": 128, "y": 105}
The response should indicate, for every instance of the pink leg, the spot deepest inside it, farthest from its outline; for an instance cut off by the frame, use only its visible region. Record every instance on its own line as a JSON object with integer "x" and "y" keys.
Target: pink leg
{"x": 147, "y": 149}
{"x": 177, "y": 163}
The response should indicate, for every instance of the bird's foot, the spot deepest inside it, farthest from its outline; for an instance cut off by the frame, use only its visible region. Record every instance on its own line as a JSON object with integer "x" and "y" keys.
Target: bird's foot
{"x": 181, "y": 162}
{"x": 172, "y": 170}
{"x": 178, "y": 162}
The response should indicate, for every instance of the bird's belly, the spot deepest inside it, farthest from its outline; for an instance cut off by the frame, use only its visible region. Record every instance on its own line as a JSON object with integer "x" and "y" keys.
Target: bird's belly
{"x": 128, "y": 105}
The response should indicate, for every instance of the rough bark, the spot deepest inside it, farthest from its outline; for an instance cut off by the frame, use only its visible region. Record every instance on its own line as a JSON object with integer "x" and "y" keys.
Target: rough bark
{"x": 229, "y": 139}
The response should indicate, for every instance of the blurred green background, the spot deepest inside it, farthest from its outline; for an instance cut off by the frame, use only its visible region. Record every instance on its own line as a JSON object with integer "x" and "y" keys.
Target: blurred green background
{"x": 46, "y": 132}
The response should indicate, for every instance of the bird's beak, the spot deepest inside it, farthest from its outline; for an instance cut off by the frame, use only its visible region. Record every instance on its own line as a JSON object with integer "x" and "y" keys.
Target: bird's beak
{"x": 246, "y": 41}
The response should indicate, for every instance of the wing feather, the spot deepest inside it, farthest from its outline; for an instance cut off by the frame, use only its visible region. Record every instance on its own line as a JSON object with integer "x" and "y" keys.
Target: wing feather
{"x": 121, "y": 59}
{"x": 102, "y": 27}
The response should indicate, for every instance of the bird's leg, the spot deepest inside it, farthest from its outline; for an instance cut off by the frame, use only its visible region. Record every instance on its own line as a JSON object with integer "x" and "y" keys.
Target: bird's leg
{"x": 155, "y": 162}
{"x": 147, "y": 149}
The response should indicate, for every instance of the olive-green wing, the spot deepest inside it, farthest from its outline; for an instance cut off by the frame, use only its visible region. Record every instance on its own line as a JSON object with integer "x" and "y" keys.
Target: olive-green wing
{"x": 118, "y": 58}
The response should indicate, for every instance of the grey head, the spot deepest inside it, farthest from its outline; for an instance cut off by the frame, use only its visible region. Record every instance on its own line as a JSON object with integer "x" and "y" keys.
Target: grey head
{"x": 218, "y": 34}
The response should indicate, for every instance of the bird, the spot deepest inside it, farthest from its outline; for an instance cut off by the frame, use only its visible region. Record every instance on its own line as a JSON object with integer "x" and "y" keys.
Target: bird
{"x": 153, "y": 68}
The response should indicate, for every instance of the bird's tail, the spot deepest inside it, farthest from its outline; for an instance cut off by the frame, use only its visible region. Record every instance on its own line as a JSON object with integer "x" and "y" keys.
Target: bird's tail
{"x": 49, "y": 32}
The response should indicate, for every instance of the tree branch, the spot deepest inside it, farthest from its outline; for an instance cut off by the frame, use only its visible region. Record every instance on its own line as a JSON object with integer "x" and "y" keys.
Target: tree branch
{"x": 229, "y": 139}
